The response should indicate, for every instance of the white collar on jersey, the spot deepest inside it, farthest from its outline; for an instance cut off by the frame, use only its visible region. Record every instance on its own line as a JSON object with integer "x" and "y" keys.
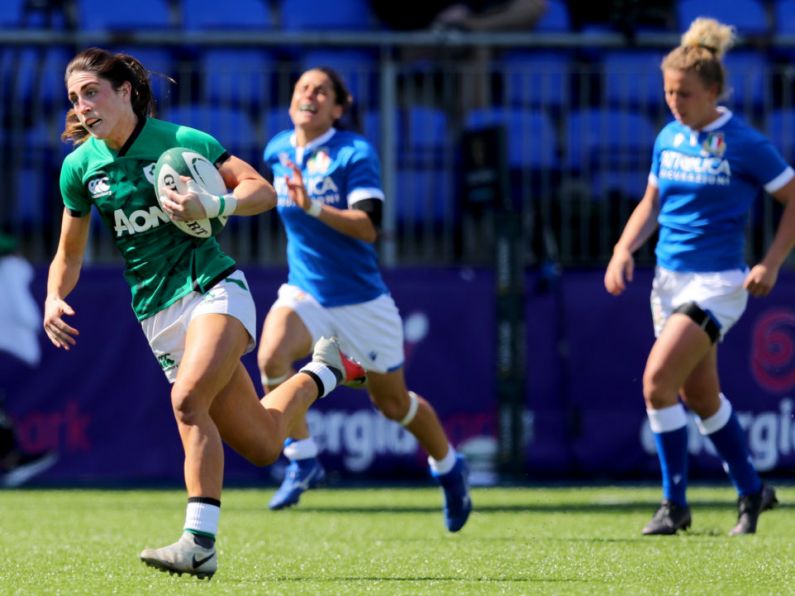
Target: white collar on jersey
{"x": 725, "y": 115}
{"x": 315, "y": 142}
{"x": 300, "y": 151}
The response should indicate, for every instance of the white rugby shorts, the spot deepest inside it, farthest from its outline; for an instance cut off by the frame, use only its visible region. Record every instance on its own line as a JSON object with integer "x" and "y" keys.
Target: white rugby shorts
{"x": 370, "y": 332}
{"x": 721, "y": 293}
{"x": 166, "y": 330}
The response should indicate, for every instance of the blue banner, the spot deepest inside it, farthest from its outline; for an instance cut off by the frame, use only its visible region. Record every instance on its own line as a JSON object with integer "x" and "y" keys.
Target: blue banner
{"x": 105, "y": 407}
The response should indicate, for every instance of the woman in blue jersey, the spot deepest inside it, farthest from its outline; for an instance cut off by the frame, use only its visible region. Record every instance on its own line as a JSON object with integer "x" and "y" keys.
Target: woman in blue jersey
{"x": 328, "y": 185}
{"x": 707, "y": 169}
{"x": 195, "y": 308}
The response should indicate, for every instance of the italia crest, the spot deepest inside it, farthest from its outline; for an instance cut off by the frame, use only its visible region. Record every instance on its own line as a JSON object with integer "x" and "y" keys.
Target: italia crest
{"x": 319, "y": 163}
{"x": 714, "y": 144}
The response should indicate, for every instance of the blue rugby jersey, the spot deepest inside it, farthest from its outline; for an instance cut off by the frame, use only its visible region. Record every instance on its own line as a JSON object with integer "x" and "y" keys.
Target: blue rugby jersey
{"x": 339, "y": 168}
{"x": 708, "y": 181}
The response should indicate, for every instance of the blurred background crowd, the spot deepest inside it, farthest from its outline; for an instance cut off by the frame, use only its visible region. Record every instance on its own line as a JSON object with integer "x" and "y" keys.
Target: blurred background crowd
{"x": 576, "y": 85}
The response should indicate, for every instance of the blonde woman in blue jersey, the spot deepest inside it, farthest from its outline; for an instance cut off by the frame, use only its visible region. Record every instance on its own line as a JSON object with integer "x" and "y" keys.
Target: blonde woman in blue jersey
{"x": 195, "y": 308}
{"x": 708, "y": 168}
{"x": 328, "y": 184}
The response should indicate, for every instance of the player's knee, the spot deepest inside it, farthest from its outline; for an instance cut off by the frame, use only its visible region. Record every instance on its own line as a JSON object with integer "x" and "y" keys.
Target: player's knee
{"x": 187, "y": 404}
{"x": 396, "y": 405}
{"x": 272, "y": 375}
{"x": 264, "y": 455}
{"x": 656, "y": 394}
{"x": 273, "y": 360}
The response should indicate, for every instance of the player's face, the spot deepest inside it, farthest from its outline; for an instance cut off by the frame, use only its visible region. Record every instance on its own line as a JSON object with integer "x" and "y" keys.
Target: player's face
{"x": 691, "y": 102}
{"x": 313, "y": 108}
{"x": 105, "y": 112}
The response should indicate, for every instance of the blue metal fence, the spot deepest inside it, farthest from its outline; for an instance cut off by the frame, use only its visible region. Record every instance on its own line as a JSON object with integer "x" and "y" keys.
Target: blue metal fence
{"x": 580, "y": 113}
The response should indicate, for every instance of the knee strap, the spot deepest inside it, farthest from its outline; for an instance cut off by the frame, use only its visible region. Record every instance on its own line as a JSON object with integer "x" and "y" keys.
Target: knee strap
{"x": 271, "y": 382}
{"x": 414, "y": 405}
{"x": 702, "y": 318}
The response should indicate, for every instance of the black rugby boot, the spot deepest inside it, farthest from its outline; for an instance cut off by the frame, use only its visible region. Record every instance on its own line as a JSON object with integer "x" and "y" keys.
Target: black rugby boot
{"x": 669, "y": 519}
{"x": 749, "y": 507}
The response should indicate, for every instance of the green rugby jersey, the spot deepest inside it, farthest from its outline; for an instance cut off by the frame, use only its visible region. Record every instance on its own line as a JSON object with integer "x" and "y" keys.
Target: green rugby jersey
{"x": 163, "y": 264}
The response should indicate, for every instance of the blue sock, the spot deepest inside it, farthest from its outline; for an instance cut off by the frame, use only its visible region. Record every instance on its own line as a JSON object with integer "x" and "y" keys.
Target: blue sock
{"x": 669, "y": 426}
{"x": 731, "y": 443}
{"x": 672, "y": 453}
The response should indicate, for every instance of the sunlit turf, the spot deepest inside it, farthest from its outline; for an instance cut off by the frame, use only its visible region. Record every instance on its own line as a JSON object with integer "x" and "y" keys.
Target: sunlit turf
{"x": 392, "y": 541}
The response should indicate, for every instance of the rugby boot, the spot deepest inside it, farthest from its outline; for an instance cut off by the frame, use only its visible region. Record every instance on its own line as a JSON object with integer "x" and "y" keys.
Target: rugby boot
{"x": 184, "y": 556}
{"x": 348, "y": 372}
{"x": 749, "y": 507}
{"x": 669, "y": 519}
{"x": 300, "y": 476}
{"x": 457, "y": 502}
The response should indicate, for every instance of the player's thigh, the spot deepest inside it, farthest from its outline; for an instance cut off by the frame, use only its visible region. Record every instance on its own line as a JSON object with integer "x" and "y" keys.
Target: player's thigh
{"x": 214, "y": 344}
{"x": 680, "y": 346}
{"x": 294, "y": 322}
{"x": 285, "y": 337}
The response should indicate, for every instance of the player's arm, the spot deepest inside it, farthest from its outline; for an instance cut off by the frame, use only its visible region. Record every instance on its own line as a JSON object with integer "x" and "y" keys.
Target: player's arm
{"x": 639, "y": 228}
{"x": 62, "y": 279}
{"x": 762, "y": 277}
{"x": 508, "y": 16}
{"x": 362, "y": 222}
{"x": 253, "y": 193}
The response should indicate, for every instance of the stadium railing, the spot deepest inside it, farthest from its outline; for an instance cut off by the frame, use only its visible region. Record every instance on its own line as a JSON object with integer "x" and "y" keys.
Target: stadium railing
{"x": 415, "y": 94}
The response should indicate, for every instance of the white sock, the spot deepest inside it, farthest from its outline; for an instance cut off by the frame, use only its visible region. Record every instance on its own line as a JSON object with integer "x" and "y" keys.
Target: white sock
{"x": 667, "y": 419}
{"x": 301, "y": 449}
{"x": 718, "y": 420}
{"x": 444, "y": 465}
{"x": 201, "y": 516}
{"x": 321, "y": 374}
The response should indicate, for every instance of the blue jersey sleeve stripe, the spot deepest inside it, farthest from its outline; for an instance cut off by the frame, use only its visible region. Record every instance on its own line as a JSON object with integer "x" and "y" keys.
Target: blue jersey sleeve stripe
{"x": 359, "y": 194}
{"x": 779, "y": 181}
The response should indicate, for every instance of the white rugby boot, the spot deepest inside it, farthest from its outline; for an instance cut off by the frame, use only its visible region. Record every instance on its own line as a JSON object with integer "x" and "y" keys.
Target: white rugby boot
{"x": 184, "y": 556}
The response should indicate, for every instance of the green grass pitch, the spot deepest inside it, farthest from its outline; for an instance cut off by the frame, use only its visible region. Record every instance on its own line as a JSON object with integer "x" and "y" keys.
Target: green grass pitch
{"x": 392, "y": 541}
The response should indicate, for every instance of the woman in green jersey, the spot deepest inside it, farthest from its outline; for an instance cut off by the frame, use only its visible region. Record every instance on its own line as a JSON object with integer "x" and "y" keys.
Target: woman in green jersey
{"x": 194, "y": 306}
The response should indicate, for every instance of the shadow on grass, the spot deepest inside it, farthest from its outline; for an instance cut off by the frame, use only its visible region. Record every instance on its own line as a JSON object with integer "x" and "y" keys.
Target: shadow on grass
{"x": 606, "y": 508}
{"x": 438, "y": 578}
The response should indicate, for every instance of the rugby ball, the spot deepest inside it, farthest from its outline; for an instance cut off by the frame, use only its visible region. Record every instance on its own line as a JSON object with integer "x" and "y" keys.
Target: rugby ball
{"x": 181, "y": 161}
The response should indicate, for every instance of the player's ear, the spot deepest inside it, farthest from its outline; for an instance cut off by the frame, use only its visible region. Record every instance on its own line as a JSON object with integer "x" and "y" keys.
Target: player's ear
{"x": 125, "y": 88}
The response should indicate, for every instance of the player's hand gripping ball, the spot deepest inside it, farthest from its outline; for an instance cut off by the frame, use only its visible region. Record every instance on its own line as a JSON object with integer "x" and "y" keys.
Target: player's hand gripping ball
{"x": 205, "y": 179}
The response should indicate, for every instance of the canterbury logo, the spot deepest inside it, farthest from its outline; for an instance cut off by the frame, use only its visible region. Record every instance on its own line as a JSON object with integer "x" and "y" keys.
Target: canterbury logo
{"x": 99, "y": 187}
{"x": 166, "y": 361}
